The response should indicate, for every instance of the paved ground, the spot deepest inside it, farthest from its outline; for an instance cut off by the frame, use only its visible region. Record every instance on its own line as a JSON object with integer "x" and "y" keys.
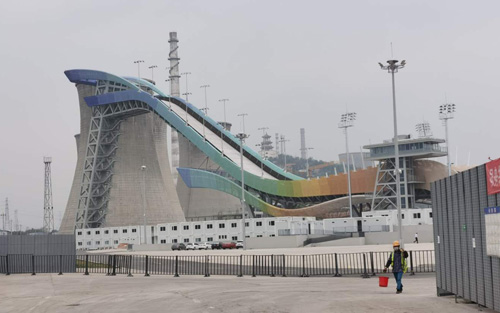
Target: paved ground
{"x": 98, "y": 293}
{"x": 286, "y": 251}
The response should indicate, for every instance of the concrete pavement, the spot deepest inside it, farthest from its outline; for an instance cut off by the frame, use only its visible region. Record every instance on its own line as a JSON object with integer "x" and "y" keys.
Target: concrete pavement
{"x": 99, "y": 293}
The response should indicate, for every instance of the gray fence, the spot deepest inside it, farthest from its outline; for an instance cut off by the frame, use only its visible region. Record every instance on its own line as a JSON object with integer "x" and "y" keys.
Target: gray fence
{"x": 365, "y": 264}
{"x": 462, "y": 266}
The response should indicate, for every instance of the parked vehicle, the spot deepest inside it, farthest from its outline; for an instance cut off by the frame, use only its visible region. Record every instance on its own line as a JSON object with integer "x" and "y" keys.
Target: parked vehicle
{"x": 205, "y": 246}
{"x": 192, "y": 246}
{"x": 228, "y": 245}
{"x": 239, "y": 244}
{"x": 216, "y": 245}
{"x": 178, "y": 246}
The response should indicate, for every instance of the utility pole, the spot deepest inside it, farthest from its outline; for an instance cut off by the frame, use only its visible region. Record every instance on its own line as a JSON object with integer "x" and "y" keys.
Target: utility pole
{"x": 307, "y": 162}
{"x": 392, "y": 68}
{"x": 346, "y": 121}
{"x": 242, "y": 137}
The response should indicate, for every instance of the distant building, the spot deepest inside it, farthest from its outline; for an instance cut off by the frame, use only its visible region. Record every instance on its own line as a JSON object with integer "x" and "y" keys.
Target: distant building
{"x": 360, "y": 160}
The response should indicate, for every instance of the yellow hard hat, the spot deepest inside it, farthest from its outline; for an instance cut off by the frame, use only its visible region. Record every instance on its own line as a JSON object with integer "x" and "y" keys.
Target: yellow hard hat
{"x": 395, "y": 244}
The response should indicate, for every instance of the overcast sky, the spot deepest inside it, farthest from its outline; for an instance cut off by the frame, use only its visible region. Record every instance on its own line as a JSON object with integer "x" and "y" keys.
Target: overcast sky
{"x": 288, "y": 64}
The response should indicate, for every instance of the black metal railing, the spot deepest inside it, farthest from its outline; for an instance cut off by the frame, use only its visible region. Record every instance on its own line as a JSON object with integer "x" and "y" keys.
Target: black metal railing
{"x": 364, "y": 264}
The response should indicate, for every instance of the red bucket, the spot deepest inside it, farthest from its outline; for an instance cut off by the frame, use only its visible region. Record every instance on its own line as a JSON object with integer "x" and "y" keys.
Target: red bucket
{"x": 383, "y": 281}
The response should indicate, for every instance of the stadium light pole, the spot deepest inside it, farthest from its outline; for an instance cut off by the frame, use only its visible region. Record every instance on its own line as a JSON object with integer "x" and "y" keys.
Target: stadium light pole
{"x": 447, "y": 112}
{"x": 187, "y": 91}
{"x": 243, "y": 117}
{"x": 242, "y": 137}
{"x": 223, "y": 127}
{"x": 346, "y": 121}
{"x": 152, "y": 67}
{"x": 138, "y": 62}
{"x": 392, "y": 68}
{"x": 205, "y": 109}
{"x": 187, "y": 95}
{"x": 143, "y": 169}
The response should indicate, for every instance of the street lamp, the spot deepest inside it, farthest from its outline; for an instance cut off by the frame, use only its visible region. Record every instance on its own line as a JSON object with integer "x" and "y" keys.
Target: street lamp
{"x": 143, "y": 169}
{"x": 307, "y": 161}
{"x": 242, "y": 137}
{"x": 225, "y": 124}
{"x": 392, "y": 68}
{"x": 243, "y": 117}
{"x": 447, "y": 112}
{"x": 284, "y": 141}
{"x": 346, "y": 121}
{"x": 205, "y": 110}
{"x": 138, "y": 62}
{"x": 187, "y": 91}
{"x": 152, "y": 67}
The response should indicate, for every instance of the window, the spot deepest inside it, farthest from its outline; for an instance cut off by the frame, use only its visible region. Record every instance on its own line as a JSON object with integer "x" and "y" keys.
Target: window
{"x": 197, "y": 226}
{"x": 186, "y": 227}
{"x": 89, "y": 243}
{"x": 116, "y": 242}
{"x": 134, "y": 230}
{"x": 97, "y": 232}
{"x": 88, "y": 233}
{"x": 258, "y": 223}
{"x": 163, "y": 241}
{"x": 416, "y": 215}
{"x": 222, "y": 236}
{"x": 97, "y": 242}
{"x": 80, "y": 243}
{"x": 234, "y": 225}
{"x": 163, "y": 228}
{"x": 259, "y": 236}
{"x": 174, "y": 227}
{"x": 115, "y": 231}
{"x": 197, "y": 240}
{"x": 247, "y": 224}
{"x": 402, "y": 216}
{"x": 209, "y": 226}
{"x": 272, "y": 235}
{"x": 186, "y": 240}
{"x": 174, "y": 240}
{"x": 124, "y": 231}
{"x": 430, "y": 214}
{"x": 79, "y": 233}
{"x": 210, "y": 239}
{"x": 106, "y": 242}
{"x": 222, "y": 225}
{"x": 271, "y": 223}
{"x": 234, "y": 238}
{"x": 106, "y": 232}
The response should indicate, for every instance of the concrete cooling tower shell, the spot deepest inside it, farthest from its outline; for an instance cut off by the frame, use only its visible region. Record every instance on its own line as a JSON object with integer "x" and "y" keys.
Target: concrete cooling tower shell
{"x": 142, "y": 141}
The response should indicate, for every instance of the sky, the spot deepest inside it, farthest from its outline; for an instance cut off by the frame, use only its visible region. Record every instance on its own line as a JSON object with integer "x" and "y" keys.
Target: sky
{"x": 287, "y": 64}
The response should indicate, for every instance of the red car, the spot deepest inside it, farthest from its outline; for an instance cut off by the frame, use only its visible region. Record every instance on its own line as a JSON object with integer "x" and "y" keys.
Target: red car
{"x": 228, "y": 245}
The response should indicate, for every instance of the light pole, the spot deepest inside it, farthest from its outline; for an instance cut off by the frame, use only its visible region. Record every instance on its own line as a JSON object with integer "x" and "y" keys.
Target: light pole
{"x": 143, "y": 169}
{"x": 392, "y": 68}
{"x": 242, "y": 137}
{"x": 447, "y": 112}
{"x": 346, "y": 121}
{"x": 152, "y": 67}
{"x": 284, "y": 141}
{"x": 205, "y": 110}
{"x": 243, "y": 117}
{"x": 187, "y": 91}
{"x": 307, "y": 162}
{"x": 186, "y": 94}
{"x": 225, "y": 123}
{"x": 138, "y": 62}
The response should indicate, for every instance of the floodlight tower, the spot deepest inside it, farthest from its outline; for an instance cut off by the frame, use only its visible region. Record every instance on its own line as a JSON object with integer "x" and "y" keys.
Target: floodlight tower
{"x": 307, "y": 160}
{"x": 138, "y": 62}
{"x": 48, "y": 208}
{"x": 447, "y": 112}
{"x": 242, "y": 137}
{"x": 152, "y": 67}
{"x": 243, "y": 118}
{"x": 187, "y": 91}
{"x": 393, "y": 67}
{"x": 346, "y": 121}
{"x": 225, "y": 124}
{"x": 423, "y": 130}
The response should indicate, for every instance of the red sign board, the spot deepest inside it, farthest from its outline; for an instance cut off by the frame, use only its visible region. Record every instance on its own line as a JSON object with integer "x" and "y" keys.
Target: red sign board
{"x": 493, "y": 176}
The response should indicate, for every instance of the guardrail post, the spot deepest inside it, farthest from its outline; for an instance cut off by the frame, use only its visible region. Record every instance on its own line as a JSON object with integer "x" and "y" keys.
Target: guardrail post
{"x": 411, "y": 264}
{"x": 241, "y": 266}
{"x": 303, "y": 266}
{"x": 284, "y": 267}
{"x": 114, "y": 265}
{"x": 60, "y": 265}
{"x": 253, "y": 266}
{"x": 130, "y": 267}
{"x": 86, "y": 265}
{"x": 272, "y": 265}
{"x": 337, "y": 274}
{"x": 176, "y": 274}
{"x": 207, "y": 274}
{"x": 146, "y": 270}
{"x": 110, "y": 265}
{"x": 365, "y": 274}
{"x": 33, "y": 265}
{"x": 7, "y": 273}
{"x": 372, "y": 264}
